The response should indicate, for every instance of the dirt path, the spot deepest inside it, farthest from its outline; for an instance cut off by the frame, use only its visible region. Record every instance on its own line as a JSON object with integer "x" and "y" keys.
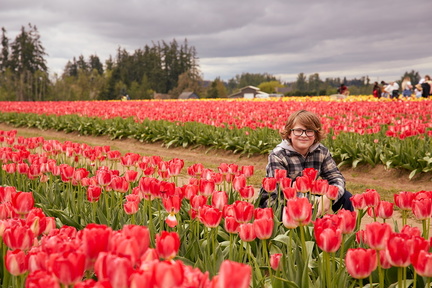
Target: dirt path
{"x": 361, "y": 177}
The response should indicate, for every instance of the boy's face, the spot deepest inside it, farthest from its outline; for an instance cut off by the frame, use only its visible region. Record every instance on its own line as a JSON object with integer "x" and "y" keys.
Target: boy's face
{"x": 301, "y": 143}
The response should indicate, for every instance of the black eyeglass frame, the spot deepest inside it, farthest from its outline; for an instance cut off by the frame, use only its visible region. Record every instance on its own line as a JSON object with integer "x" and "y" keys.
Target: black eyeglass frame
{"x": 305, "y": 131}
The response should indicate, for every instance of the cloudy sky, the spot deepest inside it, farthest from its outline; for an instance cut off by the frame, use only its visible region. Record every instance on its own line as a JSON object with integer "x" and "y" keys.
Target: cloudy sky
{"x": 335, "y": 38}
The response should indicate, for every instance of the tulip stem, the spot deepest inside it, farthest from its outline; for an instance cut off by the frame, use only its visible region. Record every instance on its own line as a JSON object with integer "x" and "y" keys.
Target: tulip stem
{"x": 303, "y": 243}
{"x": 400, "y": 277}
{"x": 328, "y": 270}
{"x": 380, "y": 272}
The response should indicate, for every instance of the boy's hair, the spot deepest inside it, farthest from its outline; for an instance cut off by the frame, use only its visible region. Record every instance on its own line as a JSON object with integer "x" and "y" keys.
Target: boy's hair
{"x": 308, "y": 119}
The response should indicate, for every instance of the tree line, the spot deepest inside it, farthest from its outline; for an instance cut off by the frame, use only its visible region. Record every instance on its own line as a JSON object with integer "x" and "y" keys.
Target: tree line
{"x": 164, "y": 68}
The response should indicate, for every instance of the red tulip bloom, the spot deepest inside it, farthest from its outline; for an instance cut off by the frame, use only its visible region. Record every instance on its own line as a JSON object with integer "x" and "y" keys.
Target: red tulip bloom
{"x": 263, "y": 228}
{"x": 247, "y": 171}
{"x": 303, "y": 184}
{"x": 411, "y": 231}
{"x": 95, "y": 239}
{"x": 275, "y": 260}
{"x": 299, "y": 210}
{"x": 247, "y": 192}
{"x": 103, "y": 177}
{"x": 247, "y": 232}
{"x": 328, "y": 238}
{"x": 41, "y": 279}
{"x": 377, "y": 235}
{"x": 285, "y": 183}
{"x": 190, "y": 190}
{"x": 371, "y": 198}
{"x": 114, "y": 269}
{"x": 168, "y": 274}
{"x": 263, "y": 213}
{"x": 289, "y": 193}
{"x": 207, "y": 187}
{"x": 269, "y": 184}
{"x": 210, "y": 216}
{"x": 16, "y": 262}
{"x": 319, "y": 187}
{"x": 332, "y": 192}
{"x": 423, "y": 263}
{"x": 172, "y": 203}
{"x": 239, "y": 182}
{"x": 243, "y": 211}
{"x": 167, "y": 244}
{"x": 358, "y": 201}
{"x": 311, "y": 173}
{"x": 175, "y": 166}
{"x": 384, "y": 210}
{"x": 288, "y": 220}
{"x": 93, "y": 193}
{"x": 69, "y": 267}
{"x": 422, "y": 209}
{"x": 360, "y": 262}
{"x": 131, "y": 206}
{"x": 22, "y": 202}
{"x": 219, "y": 199}
{"x": 131, "y": 175}
{"x": 280, "y": 174}
{"x": 231, "y": 225}
{"x": 348, "y": 220}
{"x": 18, "y": 237}
{"x": 198, "y": 201}
{"x": 403, "y": 200}
{"x": 227, "y": 279}
{"x": 398, "y": 250}
{"x": 119, "y": 184}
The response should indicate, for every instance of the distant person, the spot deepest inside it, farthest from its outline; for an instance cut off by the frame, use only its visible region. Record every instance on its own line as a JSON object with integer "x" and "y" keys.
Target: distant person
{"x": 418, "y": 91}
{"x": 343, "y": 90}
{"x": 406, "y": 87}
{"x": 376, "y": 90}
{"x": 426, "y": 86}
{"x": 393, "y": 90}
{"x": 384, "y": 92}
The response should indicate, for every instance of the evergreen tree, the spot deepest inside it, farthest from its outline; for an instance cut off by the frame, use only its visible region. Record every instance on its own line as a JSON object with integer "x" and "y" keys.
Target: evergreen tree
{"x": 4, "y": 56}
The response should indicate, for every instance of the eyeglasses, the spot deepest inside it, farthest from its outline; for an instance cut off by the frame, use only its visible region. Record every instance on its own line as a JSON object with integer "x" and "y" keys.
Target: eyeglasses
{"x": 299, "y": 132}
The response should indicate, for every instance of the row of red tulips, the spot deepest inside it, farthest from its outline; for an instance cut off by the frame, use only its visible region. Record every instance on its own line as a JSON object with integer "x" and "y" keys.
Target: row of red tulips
{"x": 203, "y": 199}
{"x": 361, "y": 115}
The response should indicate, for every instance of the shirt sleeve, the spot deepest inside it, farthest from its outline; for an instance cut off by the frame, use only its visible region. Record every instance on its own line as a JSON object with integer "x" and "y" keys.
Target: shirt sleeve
{"x": 332, "y": 174}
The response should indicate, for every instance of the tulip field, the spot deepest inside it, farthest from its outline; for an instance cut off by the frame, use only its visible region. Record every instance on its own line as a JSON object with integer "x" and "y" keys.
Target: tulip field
{"x": 79, "y": 216}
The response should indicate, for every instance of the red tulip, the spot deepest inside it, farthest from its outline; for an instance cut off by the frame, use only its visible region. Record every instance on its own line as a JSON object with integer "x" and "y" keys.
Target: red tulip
{"x": 303, "y": 184}
{"x": 358, "y": 201}
{"x": 398, "y": 250}
{"x": 247, "y": 192}
{"x": 227, "y": 279}
{"x": 117, "y": 270}
{"x": 175, "y": 166}
{"x": 95, "y": 239}
{"x": 269, "y": 184}
{"x": 280, "y": 174}
{"x": 168, "y": 274}
{"x": 207, "y": 187}
{"x": 119, "y": 184}
{"x": 285, "y": 182}
{"x": 263, "y": 228}
{"x": 19, "y": 237}
{"x": 69, "y": 267}
{"x": 348, "y": 220}
{"x": 22, "y": 202}
{"x": 384, "y": 210}
{"x": 377, "y": 235}
{"x": 247, "y": 171}
{"x": 247, "y": 232}
{"x": 210, "y": 216}
{"x": 6, "y": 193}
{"x": 289, "y": 193}
{"x": 93, "y": 193}
{"x": 167, "y": 244}
{"x": 288, "y": 220}
{"x": 243, "y": 211}
{"x": 299, "y": 210}
{"x": 422, "y": 209}
{"x": 219, "y": 199}
{"x": 231, "y": 225}
{"x": 319, "y": 187}
{"x": 172, "y": 203}
{"x": 239, "y": 182}
{"x": 360, "y": 262}
{"x": 332, "y": 192}
{"x": 311, "y": 173}
{"x": 190, "y": 190}
{"x": 423, "y": 263}
{"x": 198, "y": 201}
{"x": 328, "y": 238}
{"x": 275, "y": 260}
{"x": 371, "y": 198}
{"x": 403, "y": 200}
{"x": 131, "y": 175}
{"x": 41, "y": 279}
{"x": 263, "y": 213}
{"x": 16, "y": 262}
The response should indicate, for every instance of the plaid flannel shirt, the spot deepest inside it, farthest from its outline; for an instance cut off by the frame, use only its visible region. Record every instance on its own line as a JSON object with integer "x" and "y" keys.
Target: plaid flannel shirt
{"x": 285, "y": 157}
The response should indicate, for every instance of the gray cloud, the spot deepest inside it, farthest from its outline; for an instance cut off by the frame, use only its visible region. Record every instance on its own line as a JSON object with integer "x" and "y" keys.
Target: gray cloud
{"x": 335, "y": 38}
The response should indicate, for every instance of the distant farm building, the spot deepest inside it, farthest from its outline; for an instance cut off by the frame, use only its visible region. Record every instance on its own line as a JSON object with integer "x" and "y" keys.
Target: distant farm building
{"x": 249, "y": 92}
{"x": 188, "y": 95}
